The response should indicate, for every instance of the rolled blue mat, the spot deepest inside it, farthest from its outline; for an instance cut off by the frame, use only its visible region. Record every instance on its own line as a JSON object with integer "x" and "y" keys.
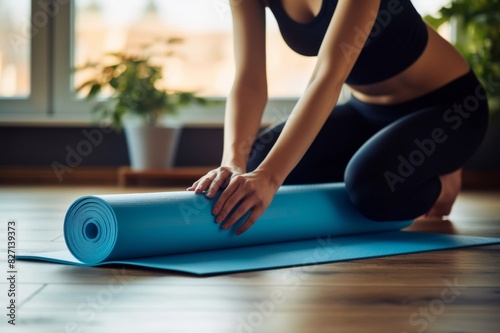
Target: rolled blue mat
{"x": 177, "y": 231}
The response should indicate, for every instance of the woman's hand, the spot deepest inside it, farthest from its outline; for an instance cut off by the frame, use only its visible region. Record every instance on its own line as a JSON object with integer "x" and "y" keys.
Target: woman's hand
{"x": 214, "y": 180}
{"x": 253, "y": 191}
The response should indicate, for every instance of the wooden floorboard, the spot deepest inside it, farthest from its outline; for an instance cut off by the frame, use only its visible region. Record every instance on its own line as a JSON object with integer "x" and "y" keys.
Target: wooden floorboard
{"x": 445, "y": 291}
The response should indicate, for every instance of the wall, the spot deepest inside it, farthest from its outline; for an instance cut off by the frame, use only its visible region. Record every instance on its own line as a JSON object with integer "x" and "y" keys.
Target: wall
{"x": 198, "y": 146}
{"x": 41, "y": 146}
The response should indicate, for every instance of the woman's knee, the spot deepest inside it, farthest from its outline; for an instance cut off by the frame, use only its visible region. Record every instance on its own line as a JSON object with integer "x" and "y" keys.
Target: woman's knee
{"x": 375, "y": 198}
{"x": 367, "y": 195}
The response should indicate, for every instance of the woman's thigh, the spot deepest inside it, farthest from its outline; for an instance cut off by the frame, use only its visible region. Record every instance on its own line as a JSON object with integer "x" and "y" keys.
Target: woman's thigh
{"x": 395, "y": 174}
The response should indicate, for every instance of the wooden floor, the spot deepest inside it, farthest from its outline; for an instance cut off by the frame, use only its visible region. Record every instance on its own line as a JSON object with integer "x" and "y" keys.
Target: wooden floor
{"x": 446, "y": 291}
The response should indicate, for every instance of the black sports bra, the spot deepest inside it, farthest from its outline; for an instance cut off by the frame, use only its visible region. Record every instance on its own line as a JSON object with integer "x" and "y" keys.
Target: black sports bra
{"x": 397, "y": 39}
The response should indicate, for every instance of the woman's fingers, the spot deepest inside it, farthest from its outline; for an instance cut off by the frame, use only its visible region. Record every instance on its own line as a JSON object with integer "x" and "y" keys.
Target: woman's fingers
{"x": 219, "y": 181}
{"x": 226, "y": 202}
{"x": 250, "y": 220}
{"x": 246, "y": 205}
{"x": 202, "y": 184}
{"x": 212, "y": 181}
{"x": 241, "y": 192}
{"x": 192, "y": 187}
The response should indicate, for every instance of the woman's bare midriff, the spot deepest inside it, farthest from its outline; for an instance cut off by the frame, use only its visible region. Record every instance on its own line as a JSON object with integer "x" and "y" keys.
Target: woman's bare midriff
{"x": 439, "y": 64}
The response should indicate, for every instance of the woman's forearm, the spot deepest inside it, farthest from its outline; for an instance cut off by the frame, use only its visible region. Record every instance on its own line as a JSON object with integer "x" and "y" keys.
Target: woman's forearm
{"x": 244, "y": 109}
{"x": 301, "y": 128}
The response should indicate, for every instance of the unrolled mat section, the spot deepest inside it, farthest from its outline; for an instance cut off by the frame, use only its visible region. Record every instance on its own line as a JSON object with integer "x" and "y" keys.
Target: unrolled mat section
{"x": 305, "y": 224}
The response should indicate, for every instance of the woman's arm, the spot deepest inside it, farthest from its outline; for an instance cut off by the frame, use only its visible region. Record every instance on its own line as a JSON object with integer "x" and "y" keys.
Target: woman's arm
{"x": 248, "y": 96}
{"x": 342, "y": 44}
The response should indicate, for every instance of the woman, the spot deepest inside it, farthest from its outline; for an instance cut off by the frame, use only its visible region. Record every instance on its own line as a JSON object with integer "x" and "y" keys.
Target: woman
{"x": 416, "y": 114}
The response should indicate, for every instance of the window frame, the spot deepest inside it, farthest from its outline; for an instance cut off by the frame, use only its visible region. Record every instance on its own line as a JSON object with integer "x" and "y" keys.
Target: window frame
{"x": 64, "y": 100}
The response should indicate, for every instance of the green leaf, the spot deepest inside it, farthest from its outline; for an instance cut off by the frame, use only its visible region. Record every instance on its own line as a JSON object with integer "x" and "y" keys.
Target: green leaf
{"x": 94, "y": 90}
{"x": 435, "y": 22}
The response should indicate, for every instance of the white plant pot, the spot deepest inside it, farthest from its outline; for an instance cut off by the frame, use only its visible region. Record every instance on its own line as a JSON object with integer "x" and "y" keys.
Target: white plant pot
{"x": 151, "y": 147}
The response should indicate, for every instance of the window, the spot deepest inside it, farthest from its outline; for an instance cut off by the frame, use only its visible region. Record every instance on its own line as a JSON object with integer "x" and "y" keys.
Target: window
{"x": 23, "y": 73}
{"x": 14, "y": 50}
{"x": 204, "y": 60}
{"x": 41, "y": 41}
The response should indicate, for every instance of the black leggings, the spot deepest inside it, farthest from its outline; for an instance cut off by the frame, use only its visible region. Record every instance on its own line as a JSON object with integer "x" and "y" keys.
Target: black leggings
{"x": 391, "y": 156}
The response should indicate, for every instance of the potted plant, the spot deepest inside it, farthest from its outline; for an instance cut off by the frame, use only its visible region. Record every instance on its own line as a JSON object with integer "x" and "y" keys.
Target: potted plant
{"x": 477, "y": 36}
{"x": 137, "y": 103}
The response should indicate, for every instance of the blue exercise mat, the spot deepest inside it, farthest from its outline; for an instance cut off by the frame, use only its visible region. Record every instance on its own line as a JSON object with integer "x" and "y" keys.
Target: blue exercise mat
{"x": 305, "y": 224}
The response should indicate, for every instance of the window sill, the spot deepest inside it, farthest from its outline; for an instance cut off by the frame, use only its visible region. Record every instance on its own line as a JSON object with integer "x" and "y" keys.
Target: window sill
{"x": 192, "y": 116}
